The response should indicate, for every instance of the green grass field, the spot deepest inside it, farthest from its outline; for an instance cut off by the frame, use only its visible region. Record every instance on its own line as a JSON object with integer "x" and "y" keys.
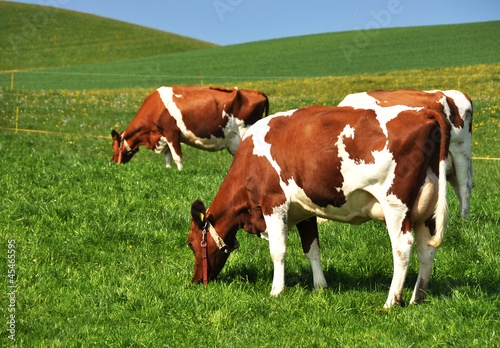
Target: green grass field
{"x": 101, "y": 256}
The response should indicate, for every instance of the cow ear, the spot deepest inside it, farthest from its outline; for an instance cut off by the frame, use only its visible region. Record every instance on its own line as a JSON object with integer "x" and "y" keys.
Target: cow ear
{"x": 115, "y": 135}
{"x": 198, "y": 213}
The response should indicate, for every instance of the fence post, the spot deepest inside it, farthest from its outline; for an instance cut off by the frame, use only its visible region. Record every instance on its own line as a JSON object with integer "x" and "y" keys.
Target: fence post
{"x": 201, "y": 79}
{"x": 17, "y": 117}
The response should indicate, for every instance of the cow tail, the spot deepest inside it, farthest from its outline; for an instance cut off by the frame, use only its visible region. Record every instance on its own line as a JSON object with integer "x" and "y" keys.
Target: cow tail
{"x": 441, "y": 211}
{"x": 266, "y": 107}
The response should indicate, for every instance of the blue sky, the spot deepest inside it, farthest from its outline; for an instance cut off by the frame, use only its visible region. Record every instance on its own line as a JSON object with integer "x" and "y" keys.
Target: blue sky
{"x": 228, "y": 22}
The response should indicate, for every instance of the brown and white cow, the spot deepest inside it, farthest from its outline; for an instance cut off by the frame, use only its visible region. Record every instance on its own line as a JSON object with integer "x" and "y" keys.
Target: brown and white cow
{"x": 208, "y": 118}
{"x": 456, "y": 107}
{"x": 342, "y": 164}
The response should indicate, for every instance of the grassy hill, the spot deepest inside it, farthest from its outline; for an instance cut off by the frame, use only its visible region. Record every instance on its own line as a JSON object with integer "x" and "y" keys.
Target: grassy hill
{"x": 39, "y": 37}
{"x": 332, "y": 54}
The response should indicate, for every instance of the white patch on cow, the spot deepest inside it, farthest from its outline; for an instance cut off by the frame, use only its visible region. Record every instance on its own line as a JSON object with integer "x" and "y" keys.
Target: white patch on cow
{"x": 278, "y": 231}
{"x": 375, "y": 178}
{"x": 166, "y": 95}
{"x": 402, "y": 244}
{"x": 233, "y": 132}
{"x": 161, "y": 145}
{"x": 359, "y": 101}
{"x": 314, "y": 258}
{"x": 167, "y": 148}
{"x": 463, "y": 104}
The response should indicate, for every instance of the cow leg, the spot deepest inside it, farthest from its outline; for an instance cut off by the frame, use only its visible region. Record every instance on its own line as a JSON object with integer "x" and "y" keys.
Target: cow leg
{"x": 462, "y": 180}
{"x": 402, "y": 242}
{"x": 175, "y": 150}
{"x": 426, "y": 259}
{"x": 171, "y": 149}
{"x": 463, "y": 191}
{"x": 168, "y": 157}
{"x": 233, "y": 144}
{"x": 277, "y": 231}
{"x": 308, "y": 230}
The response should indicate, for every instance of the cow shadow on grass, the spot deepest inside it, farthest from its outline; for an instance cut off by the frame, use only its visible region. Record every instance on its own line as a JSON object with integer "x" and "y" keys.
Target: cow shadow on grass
{"x": 343, "y": 282}
{"x": 304, "y": 278}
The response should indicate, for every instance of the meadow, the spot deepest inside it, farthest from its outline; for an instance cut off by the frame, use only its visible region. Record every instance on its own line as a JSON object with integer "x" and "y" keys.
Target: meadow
{"x": 101, "y": 252}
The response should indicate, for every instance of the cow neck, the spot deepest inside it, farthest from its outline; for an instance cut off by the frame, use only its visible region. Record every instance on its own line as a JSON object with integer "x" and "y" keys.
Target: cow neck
{"x": 223, "y": 227}
{"x": 136, "y": 138}
{"x": 225, "y": 219}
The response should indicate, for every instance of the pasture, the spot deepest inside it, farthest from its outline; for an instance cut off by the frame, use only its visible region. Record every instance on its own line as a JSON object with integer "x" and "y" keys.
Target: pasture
{"x": 101, "y": 253}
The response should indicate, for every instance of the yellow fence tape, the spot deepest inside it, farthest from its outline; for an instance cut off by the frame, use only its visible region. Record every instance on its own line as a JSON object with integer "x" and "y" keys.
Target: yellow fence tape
{"x": 60, "y": 133}
{"x": 109, "y": 138}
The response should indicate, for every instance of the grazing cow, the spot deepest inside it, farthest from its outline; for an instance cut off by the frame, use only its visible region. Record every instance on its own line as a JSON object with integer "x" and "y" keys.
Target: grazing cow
{"x": 208, "y": 118}
{"x": 342, "y": 164}
{"x": 456, "y": 107}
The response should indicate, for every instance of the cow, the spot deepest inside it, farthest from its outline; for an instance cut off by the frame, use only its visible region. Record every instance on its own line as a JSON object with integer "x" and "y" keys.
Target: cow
{"x": 208, "y": 118}
{"x": 456, "y": 107}
{"x": 341, "y": 164}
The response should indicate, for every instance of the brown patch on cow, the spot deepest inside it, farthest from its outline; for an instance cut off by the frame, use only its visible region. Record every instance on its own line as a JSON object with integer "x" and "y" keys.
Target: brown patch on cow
{"x": 409, "y": 97}
{"x": 312, "y": 158}
{"x": 253, "y": 104}
{"x": 406, "y": 227}
{"x": 455, "y": 118}
{"x": 205, "y": 122}
{"x": 366, "y": 132}
{"x": 257, "y": 170}
{"x": 431, "y": 226}
{"x": 416, "y": 98}
{"x": 412, "y": 151}
{"x": 308, "y": 230}
{"x": 250, "y": 190}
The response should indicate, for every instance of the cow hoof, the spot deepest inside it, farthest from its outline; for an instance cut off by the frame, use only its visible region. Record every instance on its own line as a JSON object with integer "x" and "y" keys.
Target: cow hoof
{"x": 320, "y": 287}
{"x": 394, "y": 304}
{"x": 276, "y": 292}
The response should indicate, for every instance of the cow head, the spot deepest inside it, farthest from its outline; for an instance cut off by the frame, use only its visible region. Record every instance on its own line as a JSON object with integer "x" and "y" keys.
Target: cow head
{"x": 203, "y": 232}
{"x": 120, "y": 152}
